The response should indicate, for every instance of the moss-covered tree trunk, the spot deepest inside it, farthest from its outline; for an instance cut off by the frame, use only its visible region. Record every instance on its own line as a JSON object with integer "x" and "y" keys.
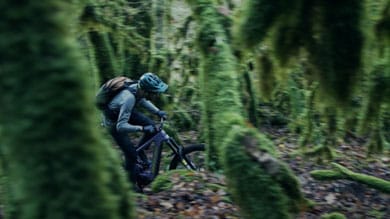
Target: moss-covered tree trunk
{"x": 104, "y": 56}
{"x": 137, "y": 60}
{"x": 103, "y": 53}
{"x": 250, "y": 100}
{"x": 158, "y": 62}
{"x": 218, "y": 81}
{"x": 261, "y": 191}
{"x": 57, "y": 165}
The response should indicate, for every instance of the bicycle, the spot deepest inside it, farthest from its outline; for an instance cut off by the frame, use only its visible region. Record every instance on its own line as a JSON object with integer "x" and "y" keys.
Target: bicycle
{"x": 181, "y": 155}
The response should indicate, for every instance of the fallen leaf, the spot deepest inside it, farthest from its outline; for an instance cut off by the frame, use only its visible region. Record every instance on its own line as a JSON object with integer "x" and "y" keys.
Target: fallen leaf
{"x": 166, "y": 204}
{"x": 330, "y": 199}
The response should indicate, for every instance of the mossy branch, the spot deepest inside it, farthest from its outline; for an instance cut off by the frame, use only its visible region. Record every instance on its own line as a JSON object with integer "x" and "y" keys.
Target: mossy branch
{"x": 340, "y": 172}
{"x": 333, "y": 215}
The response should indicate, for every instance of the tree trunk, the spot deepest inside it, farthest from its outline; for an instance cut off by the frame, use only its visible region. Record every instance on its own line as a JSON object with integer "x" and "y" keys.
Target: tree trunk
{"x": 259, "y": 193}
{"x": 58, "y": 166}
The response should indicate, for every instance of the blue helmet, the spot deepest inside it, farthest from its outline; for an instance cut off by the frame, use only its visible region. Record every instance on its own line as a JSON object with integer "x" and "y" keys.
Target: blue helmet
{"x": 152, "y": 83}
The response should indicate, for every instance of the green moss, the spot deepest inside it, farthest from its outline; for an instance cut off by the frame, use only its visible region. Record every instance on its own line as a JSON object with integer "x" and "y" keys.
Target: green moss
{"x": 103, "y": 55}
{"x": 53, "y": 159}
{"x": 325, "y": 174}
{"x": 290, "y": 185}
{"x": 256, "y": 18}
{"x": 382, "y": 27}
{"x": 252, "y": 188}
{"x": 266, "y": 72}
{"x": 161, "y": 183}
{"x": 250, "y": 98}
{"x": 341, "y": 172}
{"x": 337, "y": 52}
{"x": 166, "y": 180}
{"x": 215, "y": 187}
{"x": 378, "y": 92}
{"x": 218, "y": 79}
{"x": 182, "y": 119}
{"x": 334, "y": 215}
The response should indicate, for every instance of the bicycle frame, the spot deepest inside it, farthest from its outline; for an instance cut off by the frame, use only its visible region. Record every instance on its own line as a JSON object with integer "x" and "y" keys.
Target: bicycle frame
{"x": 159, "y": 138}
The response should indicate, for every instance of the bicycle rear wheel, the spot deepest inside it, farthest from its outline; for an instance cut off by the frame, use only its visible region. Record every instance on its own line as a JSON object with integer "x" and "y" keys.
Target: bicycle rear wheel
{"x": 191, "y": 154}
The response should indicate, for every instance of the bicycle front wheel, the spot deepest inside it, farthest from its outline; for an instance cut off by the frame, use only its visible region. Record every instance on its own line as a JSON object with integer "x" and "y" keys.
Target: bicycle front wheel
{"x": 193, "y": 156}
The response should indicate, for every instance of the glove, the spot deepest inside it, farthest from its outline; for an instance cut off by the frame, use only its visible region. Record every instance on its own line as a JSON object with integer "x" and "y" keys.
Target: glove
{"x": 162, "y": 114}
{"x": 149, "y": 129}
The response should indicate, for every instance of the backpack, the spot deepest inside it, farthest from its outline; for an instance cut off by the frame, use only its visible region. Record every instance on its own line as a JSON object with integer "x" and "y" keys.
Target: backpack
{"x": 111, "y": 88}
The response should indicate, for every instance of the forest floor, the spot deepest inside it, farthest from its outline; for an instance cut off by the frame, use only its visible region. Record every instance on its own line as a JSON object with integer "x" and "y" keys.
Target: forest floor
{"x": 205, "y": 195}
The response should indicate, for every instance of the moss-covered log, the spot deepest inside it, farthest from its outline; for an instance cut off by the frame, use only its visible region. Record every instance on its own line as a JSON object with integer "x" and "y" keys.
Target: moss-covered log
{"x": 262, "y": 186}
{"x": 58, "y": 166}
{"x": 340, "y": 172}
{"x": 333, "y": 215}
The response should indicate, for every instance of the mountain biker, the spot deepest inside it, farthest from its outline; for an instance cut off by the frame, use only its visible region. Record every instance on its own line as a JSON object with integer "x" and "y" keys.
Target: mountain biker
{"x": 121, "y": 118}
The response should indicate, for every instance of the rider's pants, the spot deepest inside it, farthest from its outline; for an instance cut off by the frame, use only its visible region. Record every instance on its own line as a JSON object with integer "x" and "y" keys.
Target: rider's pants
{"x": 124, "y": 142}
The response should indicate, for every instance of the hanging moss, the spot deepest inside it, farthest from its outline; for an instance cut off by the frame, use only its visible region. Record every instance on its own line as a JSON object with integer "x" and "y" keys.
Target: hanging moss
{"x": 328, "y": 30}
{"x": 159, "y": 54}
{"x": 103, "y": 55}
{"x": 251, "y": 103}
{"x": 266, "y": 72}
{"x": 58, "y": 166}
{"x": 256, "y": 18}
{"x": 117, "y": 43}
{"x": 291, "y": 34}
{"x": 382, "y": 27}
{"x": 337, "y": 54}
{"x": 120, "y": 34}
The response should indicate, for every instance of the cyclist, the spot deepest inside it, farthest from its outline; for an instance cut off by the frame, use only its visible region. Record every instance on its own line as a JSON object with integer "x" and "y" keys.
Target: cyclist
{"x": 121, "y": 118}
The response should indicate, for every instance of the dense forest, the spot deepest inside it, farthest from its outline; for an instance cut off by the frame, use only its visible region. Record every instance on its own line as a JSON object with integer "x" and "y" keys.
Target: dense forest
{"x": 291, "y": 98}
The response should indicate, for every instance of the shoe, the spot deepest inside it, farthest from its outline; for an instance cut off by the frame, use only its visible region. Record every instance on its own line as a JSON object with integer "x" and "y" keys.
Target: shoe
{"x": 144, "y": 178}
{"x": 138, "y": 189}
{"x": 147, "y": 165}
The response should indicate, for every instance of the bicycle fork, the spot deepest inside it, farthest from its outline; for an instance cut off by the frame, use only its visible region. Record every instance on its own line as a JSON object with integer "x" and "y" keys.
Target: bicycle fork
{"x": 178, "y": 150}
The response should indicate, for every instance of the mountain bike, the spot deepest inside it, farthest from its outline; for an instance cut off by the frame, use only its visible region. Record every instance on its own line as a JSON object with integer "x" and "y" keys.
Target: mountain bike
{"x": 188, "y": 157}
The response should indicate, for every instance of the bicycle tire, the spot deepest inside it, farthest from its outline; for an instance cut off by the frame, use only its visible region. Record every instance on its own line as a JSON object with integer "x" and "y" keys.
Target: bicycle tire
{"x": 186, "y": 151}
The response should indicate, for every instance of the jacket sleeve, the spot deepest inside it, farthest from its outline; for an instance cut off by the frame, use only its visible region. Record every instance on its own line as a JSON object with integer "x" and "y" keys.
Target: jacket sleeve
{"x": 123, "y": 124}
{"x": 148, "y": 105}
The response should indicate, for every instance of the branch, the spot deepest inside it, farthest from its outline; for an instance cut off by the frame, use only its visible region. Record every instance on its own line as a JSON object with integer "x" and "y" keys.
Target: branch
{"x": 341, "y": 172}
